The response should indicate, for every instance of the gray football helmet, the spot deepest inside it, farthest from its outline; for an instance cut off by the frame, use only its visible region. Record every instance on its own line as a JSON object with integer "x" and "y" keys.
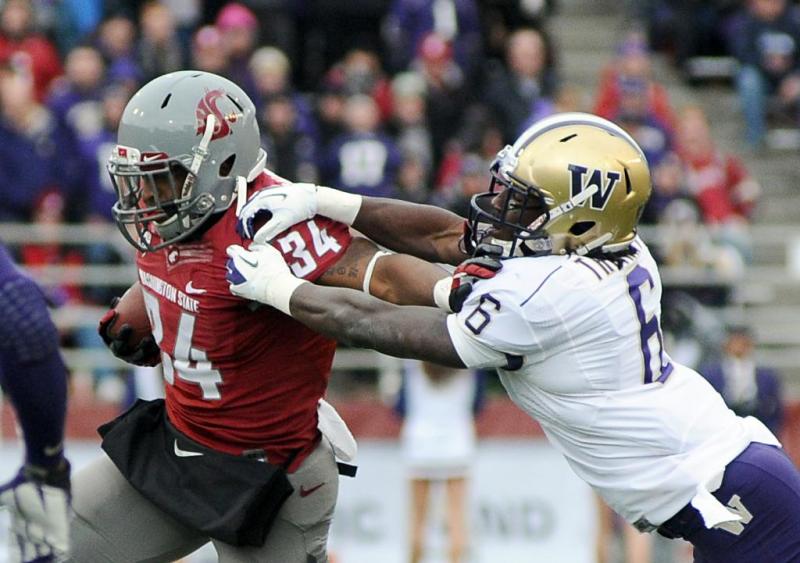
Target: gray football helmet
{"x": 186, "y": 140}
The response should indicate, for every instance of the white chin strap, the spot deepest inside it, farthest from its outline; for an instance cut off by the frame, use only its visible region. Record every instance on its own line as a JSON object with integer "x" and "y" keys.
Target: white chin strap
{"x": 261, "y": 163}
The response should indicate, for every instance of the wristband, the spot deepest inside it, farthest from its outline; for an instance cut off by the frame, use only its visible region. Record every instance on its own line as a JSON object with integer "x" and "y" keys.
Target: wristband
{"x": 441, "y": 293}
{"x": 339, "y": 206}
{"x": 280, "y": 290}
{"x": 371, "y": 268}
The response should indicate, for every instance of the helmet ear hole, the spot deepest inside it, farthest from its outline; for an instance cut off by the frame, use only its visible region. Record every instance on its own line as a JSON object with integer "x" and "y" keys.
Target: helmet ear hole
{"x": 226, "y": 166}
{"x": 581, "y": 227}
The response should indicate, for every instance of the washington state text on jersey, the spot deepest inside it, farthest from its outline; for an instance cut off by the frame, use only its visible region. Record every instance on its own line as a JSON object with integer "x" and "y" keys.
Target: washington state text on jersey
{"x": 169, "y": 291}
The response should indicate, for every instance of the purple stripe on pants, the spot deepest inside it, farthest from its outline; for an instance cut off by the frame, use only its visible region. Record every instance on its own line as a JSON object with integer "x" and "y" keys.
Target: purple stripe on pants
{"x": 767, "y": 485}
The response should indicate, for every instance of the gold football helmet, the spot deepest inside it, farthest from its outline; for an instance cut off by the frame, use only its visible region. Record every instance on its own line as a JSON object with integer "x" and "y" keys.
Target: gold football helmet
{"x": 571, "y": 183}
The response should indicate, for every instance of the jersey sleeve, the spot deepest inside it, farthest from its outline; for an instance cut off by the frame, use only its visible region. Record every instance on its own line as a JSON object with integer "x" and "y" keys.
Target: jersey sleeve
{"x": 491, "y": 330}
{"x": 312, "y": 247}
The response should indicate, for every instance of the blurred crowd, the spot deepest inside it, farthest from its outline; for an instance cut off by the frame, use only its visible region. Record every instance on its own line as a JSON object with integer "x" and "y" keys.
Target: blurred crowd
{"x": 399, "y": 98}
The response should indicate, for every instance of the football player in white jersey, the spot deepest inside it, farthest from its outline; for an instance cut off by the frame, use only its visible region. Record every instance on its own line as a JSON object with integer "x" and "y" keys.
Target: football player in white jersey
{"x": 571, "y": 322}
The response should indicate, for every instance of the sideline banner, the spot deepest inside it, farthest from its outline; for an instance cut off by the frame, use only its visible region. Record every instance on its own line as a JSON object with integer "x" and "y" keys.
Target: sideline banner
{"x": 526, "y": 505}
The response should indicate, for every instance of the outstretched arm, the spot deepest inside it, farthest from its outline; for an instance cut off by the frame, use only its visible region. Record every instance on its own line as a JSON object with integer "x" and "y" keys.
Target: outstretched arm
{"x": 397, "y": 278}
{"x": 348, "y": 316}
{"x": 424, "y": 231}
{"x": 359, "y": 320}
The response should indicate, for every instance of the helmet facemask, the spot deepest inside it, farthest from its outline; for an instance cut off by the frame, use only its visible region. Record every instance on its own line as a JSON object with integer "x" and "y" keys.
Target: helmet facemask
{"x": 510, "y": 214}
{"x": 188, "y": 144}
{"x": 159, "y": 193}
{"x": 571, "y": 184}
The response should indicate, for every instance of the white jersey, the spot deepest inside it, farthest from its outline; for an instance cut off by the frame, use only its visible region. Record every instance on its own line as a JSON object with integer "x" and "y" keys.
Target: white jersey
{"x": 649, "y": 435}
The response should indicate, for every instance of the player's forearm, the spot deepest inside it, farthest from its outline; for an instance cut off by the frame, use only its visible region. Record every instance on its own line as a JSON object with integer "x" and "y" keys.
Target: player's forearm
{"x": 359, "y": 320}
{"x": 38, "y": 392}
{"x": 425, "y": 231}
{"x": 404, "y": 280}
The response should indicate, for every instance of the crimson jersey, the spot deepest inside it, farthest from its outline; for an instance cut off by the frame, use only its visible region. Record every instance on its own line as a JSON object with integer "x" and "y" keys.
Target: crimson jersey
{"x": 240, "y": 375}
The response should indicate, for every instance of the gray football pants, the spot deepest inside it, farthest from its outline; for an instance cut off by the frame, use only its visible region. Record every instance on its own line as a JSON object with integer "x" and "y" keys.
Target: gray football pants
{"x": 115, "y": 524}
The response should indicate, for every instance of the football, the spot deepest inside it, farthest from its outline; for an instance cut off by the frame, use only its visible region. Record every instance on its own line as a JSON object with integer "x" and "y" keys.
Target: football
{"x": 131, "y": 311}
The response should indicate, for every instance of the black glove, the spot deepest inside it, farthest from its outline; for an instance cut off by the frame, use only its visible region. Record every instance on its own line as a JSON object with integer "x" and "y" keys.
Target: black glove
{"x": 483, "y": 266}
{"x": 145, "y": 353}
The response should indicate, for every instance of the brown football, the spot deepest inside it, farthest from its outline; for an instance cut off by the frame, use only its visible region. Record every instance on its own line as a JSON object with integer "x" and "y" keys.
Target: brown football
{"x": 131, "y": 310}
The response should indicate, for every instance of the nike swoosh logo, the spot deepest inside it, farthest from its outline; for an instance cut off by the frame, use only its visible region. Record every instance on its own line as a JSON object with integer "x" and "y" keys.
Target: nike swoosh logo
{"x": 248, "y": 262}
{"x": 305, "y": 492}
{"x": 51, "y": 451}
{"x": 149, "y": 157}
{"x": 185, "y": 453}
{"x": 193, "y": 290}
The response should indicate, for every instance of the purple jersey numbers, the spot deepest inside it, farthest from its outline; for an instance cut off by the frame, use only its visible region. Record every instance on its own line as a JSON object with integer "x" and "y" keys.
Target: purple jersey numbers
{"x": 640, "y": 283}
{"x": 480, "y": 317}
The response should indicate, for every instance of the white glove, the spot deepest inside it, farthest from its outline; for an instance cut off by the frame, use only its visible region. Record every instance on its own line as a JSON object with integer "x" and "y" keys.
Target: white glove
{"x": 39, "y": 503}
{"x": 281, "y": 207}
{"x": 284, "y": 206}
{"x": 261, "y": 274}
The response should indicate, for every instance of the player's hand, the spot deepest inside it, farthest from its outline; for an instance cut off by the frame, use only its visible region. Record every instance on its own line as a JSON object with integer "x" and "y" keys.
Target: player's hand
{"x": 261, "y": 274}
{"x": 145, "y": 353}
{"x": 483, "y": 266}
{"x": 277, "y": 209}
{"x": 39, "y": 502}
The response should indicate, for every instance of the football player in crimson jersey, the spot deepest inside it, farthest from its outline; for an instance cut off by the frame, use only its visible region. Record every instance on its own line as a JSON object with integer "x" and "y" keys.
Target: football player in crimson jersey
{"x": 571, "y": 322}
{"x": 233, "y": 454}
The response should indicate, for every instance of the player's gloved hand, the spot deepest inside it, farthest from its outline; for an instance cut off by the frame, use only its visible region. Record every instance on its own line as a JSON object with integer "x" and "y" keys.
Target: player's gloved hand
{"x": 261, "y": 274}
{"x": 145, "y": 353}
{"x": 482, "y": 266}
{"x": 276, "y": 209}
{"x": 39, "y": 502}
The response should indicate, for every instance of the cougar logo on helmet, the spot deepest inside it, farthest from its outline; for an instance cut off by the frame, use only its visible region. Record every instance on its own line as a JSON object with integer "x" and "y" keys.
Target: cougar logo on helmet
{"x": 208, "y": 105}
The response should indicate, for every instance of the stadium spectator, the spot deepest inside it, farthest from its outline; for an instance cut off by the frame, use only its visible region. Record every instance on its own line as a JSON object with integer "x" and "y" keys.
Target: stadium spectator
{"x": 438, "y": 406}
{"x": 359, "y": 72}
{"x": 48, "y": 214}
{"x": 632, "y": 65}
{"x": 457, "y": 22}
{"x": 669, "y": 184}
{"x": 21, "y": 44}
{"x": 521, "y": 93}
{"x": 116, "y": 39}
{"x": 363, "y": 160}
{"x": 207, "y": 52}
{"x": 636, "y": 116}
{"x": 239, "y": 28}
{"x": 446, "y": 93}
{"x": 685, "y": 242}
{"x": 33, "y": 376}
{"x": 686, "y": 29}
{"x": 291, "y": 153}
{"x": 35, "y": 153}
{"x": 766, "y": 41}
{"x": 472, "y": 178}
{"x": 636, "y": 547}
{"x": 75, "y": 96}
{"x": 272, "y": 76}
{"x": 412, "y": 180}
{"x": 409, "y": 125}
{"x": 159, "y": 49}
{"x": 719, "y": 182}
{"x": 329, "y": 111}
{"x": 748, "y": 388}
